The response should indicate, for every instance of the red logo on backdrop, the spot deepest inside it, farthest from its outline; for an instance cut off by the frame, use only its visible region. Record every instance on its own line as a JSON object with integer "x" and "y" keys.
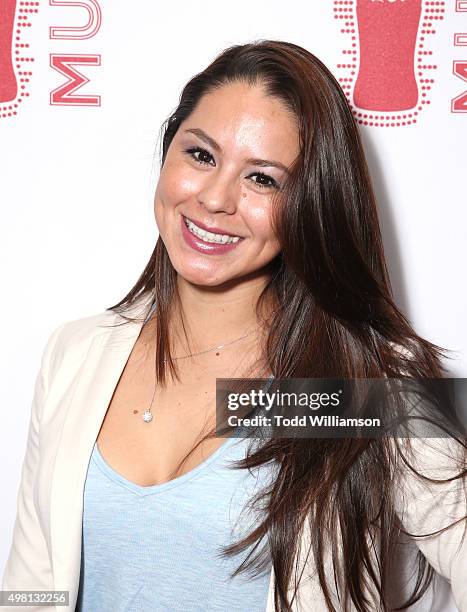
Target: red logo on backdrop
{"x": 15, "y": 59}
{"x": 65, "y": 94}
{"x": 390, "y": 67}
{"x": 387, "y": 73}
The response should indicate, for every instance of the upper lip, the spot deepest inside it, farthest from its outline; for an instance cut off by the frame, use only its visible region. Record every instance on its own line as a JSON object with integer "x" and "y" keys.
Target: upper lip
{"x": 214, "y": 230}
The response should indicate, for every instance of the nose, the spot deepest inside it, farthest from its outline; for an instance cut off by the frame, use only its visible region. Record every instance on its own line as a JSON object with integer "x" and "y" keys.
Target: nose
{"x": 219, "y": 193}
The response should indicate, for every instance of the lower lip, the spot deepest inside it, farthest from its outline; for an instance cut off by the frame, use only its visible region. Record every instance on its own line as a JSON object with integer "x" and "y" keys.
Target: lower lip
{"x": 208, "y": 248}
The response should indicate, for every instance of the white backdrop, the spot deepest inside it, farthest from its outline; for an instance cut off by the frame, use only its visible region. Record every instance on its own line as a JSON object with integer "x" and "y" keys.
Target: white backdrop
{"x": 77, "y": 181}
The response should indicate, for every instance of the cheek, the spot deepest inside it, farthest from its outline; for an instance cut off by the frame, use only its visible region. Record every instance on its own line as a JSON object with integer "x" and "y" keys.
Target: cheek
{"x": 176, "y": 184}
{"x": 259, "y": 214}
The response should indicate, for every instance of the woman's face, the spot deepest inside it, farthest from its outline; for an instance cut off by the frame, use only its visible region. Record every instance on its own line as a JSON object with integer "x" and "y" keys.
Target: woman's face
{"x": 224, "y": 165}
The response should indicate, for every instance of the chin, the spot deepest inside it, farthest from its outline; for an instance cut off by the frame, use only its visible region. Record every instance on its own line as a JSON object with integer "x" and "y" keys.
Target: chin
{"x": 204, "y": 278}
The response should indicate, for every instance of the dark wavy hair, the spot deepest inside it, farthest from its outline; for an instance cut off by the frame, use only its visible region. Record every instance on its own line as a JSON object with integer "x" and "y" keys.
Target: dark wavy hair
{"x": 336, "y": 318}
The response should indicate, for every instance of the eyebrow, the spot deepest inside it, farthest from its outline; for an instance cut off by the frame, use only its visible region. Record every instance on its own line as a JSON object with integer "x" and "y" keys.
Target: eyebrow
{"x": 253, "y": 161}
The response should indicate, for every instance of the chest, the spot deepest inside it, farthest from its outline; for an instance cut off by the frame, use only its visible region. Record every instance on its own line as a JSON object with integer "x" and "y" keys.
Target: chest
{"x": 154, "y": 452}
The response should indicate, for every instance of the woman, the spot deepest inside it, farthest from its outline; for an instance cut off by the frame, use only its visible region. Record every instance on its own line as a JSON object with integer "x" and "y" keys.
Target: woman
{"x": 269, "y": 262}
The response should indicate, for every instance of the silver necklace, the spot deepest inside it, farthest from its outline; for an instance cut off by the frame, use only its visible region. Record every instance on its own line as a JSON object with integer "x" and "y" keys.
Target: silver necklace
{"x": 148, "y": 416}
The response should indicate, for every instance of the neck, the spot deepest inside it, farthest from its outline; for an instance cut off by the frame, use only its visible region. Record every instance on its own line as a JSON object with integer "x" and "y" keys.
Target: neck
{"x": 214, "y": 315}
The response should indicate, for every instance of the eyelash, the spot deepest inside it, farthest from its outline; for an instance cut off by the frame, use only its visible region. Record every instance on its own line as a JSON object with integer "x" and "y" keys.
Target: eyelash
{"x": 191, "y": 151}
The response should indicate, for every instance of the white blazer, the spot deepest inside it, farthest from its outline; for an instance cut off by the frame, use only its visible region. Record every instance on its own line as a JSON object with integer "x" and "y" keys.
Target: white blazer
{"x": 80, "y": 368}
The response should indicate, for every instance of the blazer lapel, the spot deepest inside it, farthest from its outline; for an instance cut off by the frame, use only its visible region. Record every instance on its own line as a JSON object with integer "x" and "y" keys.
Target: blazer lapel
{"x": 104, "y": 363}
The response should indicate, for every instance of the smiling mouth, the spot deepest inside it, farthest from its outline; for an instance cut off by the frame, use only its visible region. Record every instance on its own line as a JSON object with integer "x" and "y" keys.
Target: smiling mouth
{"x": 209, "y": 236}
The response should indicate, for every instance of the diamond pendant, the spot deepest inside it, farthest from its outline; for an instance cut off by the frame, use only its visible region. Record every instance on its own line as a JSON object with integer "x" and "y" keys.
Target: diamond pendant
{"x": 147, "y": 416}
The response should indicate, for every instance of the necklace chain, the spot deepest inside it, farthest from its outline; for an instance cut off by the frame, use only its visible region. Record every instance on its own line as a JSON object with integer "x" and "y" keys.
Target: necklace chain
{"x": 214, "y": 347}
{"x": 148, "y": 416}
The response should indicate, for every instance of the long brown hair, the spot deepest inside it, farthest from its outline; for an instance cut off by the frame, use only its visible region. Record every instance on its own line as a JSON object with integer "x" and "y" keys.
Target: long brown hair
{"x": 336, "y": 318}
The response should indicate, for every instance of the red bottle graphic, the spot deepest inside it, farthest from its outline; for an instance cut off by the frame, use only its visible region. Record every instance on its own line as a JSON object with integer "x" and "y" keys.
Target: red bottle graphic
{"x": 8, "y": 83}
{"x": 16, "y": 61}
{"x": 387, "y": 32}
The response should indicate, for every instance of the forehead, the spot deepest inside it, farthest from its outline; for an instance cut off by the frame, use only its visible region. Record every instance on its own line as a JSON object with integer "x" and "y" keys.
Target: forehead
{"x": 243, "y": 116}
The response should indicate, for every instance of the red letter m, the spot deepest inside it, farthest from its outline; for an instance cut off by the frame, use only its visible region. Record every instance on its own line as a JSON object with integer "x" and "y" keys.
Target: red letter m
{"x": 64, "y": 64}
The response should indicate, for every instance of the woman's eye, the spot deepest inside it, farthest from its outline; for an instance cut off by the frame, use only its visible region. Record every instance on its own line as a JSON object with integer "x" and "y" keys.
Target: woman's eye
{"x": 204, "y": 156}
{"x": 266, "y": 181}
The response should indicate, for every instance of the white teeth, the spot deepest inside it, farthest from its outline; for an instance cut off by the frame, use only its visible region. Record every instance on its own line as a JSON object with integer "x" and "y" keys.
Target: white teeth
{"x": 209, "y": 236}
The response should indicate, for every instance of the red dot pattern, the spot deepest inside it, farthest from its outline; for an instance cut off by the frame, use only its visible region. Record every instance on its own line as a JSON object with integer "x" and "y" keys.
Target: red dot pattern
{"x": 22, "y": 61}
{"x": 346, "y": 9}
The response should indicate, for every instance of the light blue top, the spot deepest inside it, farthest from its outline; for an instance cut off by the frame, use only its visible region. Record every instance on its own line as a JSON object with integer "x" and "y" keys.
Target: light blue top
{"x": 156, "y": 548}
